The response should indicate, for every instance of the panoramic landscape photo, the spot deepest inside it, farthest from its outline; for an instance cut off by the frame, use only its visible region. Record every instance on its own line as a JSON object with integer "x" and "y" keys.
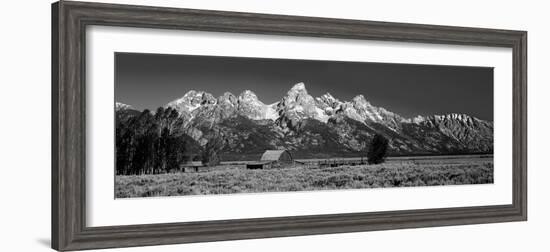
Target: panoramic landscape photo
{"x": 203, "y": 125}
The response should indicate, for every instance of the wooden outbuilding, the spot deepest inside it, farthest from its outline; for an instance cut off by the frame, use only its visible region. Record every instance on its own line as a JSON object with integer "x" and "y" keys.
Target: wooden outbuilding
{"x": 192, "y": 166}
{"x": 279, "y": 156}
{"x": 271, "y": 159}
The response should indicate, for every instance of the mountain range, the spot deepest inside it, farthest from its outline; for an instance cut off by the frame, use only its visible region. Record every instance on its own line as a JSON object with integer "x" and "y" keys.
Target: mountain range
{"x": 319, "y": 127}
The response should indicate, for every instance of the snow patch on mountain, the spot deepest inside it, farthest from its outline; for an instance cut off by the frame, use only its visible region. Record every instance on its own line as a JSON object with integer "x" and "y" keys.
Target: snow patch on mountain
{"x": 227, "y": 99}
{"x": 122, "y": 106}
{"x": 271, "y": 112}
{"x": 321, "y": 115}
{"x": 451, "y": 117}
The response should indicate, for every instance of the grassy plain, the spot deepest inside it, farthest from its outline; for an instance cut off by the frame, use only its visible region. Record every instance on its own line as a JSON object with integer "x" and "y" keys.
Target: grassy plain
{"x": 400, "y": 172}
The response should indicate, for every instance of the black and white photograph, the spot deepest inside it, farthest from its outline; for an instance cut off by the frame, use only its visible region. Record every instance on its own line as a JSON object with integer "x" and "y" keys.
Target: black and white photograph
{"x": 269, "y": 126}
{"x": 201, "y": 125}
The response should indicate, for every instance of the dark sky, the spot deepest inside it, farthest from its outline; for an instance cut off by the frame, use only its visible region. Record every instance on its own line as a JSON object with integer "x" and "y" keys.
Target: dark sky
{"x": 152, "y": 80}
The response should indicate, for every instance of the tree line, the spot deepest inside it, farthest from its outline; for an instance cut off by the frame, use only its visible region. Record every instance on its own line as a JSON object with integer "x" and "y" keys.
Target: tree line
{"x": 148, "y": 143}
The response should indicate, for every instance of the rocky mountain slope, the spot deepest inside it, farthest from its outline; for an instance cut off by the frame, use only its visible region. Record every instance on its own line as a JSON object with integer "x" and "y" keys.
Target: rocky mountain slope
{"x": 320, "y": 127}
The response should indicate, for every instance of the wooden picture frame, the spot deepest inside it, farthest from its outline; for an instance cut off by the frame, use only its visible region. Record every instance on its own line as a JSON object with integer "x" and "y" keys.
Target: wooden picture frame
{"x": 69, "y": 20}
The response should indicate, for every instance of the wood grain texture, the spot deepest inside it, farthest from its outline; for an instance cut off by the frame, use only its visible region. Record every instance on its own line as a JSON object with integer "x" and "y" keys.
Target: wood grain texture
{"x": 69, "y": 20}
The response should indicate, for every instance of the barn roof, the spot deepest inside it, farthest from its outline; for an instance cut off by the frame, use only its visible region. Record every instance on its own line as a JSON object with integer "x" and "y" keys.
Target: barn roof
{"x": 273, "y": 155}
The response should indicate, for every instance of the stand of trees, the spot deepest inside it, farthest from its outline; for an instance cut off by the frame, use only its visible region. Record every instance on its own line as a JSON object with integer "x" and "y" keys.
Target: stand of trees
{"x": 150, "y": 144}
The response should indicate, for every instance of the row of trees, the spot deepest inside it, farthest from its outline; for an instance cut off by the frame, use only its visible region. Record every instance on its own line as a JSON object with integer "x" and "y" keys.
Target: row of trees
{"x": 152, "y": 144}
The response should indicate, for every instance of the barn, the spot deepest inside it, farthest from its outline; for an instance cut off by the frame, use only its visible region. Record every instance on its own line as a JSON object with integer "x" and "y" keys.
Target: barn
{"x": 192, "y": 166}
{"x": 272, "y": 158}
{"x": 279, "y": 156}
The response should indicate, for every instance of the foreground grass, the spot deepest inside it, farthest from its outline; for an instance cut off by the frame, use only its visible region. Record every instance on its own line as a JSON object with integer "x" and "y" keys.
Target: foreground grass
{"x": 303, "y": 179}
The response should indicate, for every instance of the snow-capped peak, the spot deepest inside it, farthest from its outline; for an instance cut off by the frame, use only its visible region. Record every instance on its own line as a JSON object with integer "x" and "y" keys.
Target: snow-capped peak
{"x": 300, "y": 86}
{"x": 360, "y": 100}
{"x": 227, "y": 99}
{"x": 122, "y": 106}
{"x": 251, "y": 107}
{"x": 328, "y": 97}
{"x": 191, "y": 101}
{"x": 454, "y": 116}
{"x": 248, "y": 95}
{"x": 328, "y": 104}
{"x": 329, "y": 100}
{"x": 298, "y": 104}
{"x": 418, "y": 119}
{"x": 298, "y": 93}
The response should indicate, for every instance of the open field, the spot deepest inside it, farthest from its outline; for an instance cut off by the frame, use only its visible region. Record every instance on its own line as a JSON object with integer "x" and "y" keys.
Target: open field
{"x": 234, "y": 178}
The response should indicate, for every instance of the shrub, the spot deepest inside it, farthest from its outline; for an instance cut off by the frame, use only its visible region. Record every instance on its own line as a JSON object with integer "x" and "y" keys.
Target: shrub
{"x": 378, "y": 149}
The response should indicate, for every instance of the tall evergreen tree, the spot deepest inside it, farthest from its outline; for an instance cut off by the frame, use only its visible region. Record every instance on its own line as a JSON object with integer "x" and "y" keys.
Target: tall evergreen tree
{"x": 378, "y": 149}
